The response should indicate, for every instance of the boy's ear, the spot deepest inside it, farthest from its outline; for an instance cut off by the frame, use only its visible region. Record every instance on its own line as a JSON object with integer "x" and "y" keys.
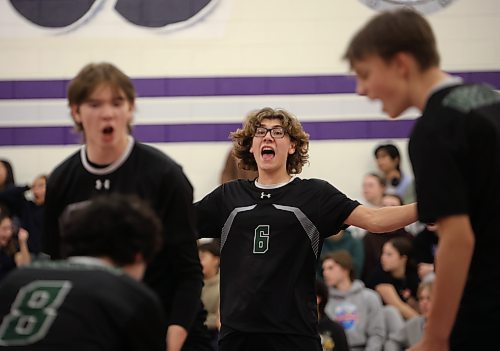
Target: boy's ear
{"x": 404, "y": 62}
{"x": 132, "y": 111}
{"x": 75, "y": 113}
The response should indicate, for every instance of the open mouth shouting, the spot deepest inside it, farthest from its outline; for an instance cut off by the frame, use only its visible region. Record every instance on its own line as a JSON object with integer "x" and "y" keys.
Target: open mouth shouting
{"x": 107, "y": 133}
{"x": 107, "y": 130}
{"x": 267, "y": 153}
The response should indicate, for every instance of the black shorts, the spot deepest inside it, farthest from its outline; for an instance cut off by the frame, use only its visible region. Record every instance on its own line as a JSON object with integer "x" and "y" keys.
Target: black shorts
{"x": 238, "y": 341}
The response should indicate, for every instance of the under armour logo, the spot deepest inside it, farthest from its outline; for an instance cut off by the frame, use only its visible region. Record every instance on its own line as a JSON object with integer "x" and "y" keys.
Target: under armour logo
{"x": 99, "y": 184}
{"x": 262, "y": 195}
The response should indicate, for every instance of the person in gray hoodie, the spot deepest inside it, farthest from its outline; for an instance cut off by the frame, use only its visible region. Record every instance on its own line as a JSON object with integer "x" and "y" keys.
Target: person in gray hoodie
{"x": 356, "y": 308}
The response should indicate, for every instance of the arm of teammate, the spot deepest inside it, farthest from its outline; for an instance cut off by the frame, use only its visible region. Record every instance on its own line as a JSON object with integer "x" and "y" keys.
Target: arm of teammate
{"x": 456, "y": 245}
{"x": 381, "y": 220}
{"x": 176, "y": 336}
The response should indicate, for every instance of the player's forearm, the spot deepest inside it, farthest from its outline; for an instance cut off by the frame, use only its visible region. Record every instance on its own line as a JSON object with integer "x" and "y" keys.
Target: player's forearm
{"x": 176, "y": 336}
{"x": 456, "y": 245}
{"x": 390, "y": 218}
{"x": 383, "y": 219}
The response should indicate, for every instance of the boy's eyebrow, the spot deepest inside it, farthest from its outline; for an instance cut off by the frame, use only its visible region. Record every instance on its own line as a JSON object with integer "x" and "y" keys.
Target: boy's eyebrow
{"x": 90, "y": 100}
{"x": 114, "y": 98}
{"x": 273, "y": 126}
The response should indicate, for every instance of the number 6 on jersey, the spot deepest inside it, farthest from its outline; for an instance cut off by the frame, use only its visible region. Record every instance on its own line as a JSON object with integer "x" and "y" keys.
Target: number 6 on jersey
{"x": 261, "y": 239}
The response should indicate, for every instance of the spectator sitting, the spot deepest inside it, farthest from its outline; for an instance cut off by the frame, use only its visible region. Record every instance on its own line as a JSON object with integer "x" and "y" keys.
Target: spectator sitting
{"x": 209, "y": 253}
{"x": 13, "y": 245}
{"x": 373, "y": 190}
{"x": 389, "y": 162}
{"x": 332, "y": 334}
{"x": 6, "y": 180}
{"x": 397, "y": 280}
{"x": 6, "y": 175}
{"x": 373, "y": 193}
{"x": 345, "y": 241}
{"x": 29, "y": 212}
{"x": 373, "y": 243}
{"x": 356, "y": 308}
{"x": 413, "y": 329}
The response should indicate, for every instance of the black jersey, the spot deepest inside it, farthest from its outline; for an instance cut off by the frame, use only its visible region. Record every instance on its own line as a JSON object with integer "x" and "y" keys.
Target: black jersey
{"x": 175, "y": 273}
{"x": 455, "y": 153}
{"x": 64, "y": 305}
{"x": 270, "y": 241}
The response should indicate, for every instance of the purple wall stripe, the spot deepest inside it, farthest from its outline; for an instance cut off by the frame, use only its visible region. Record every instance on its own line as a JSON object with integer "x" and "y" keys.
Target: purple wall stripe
{"x": 335, "y": 130}
{"x": 16, "y": 136}
{"x": 217, "y": 86}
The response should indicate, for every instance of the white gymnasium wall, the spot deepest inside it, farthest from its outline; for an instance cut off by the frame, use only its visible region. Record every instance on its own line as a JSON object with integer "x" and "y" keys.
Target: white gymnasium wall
{"x": 238, "y": 38}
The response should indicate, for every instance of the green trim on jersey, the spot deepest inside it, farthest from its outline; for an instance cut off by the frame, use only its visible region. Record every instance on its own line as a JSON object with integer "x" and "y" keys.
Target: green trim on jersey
{"x": 33, "y": 312}
{"x": 469, "y": 97}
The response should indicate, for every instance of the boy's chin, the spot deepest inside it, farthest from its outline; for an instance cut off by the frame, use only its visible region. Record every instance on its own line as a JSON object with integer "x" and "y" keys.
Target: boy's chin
{"x": 392, "y": 113}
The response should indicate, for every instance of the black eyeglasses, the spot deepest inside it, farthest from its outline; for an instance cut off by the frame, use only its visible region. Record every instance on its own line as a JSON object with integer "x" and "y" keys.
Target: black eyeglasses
{"x": 276, "y": 132}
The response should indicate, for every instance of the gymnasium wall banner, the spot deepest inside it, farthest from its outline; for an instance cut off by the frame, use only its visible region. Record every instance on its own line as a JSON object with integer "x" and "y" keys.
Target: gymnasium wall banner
{"x": 423, "y": 6}
{"x": 64, "y": 16}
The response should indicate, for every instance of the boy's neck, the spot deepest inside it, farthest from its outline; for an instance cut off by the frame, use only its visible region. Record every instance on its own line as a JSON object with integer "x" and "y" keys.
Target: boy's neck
{"x": 266, "y": 178}
{"x": 423, "y": 85}
{"x": 106, "y": 155}
{"x": 344, "y": 285}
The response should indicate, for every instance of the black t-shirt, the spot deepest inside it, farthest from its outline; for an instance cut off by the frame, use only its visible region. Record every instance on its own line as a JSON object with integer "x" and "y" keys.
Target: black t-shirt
{"x": 175, "y": 273}
{"x": 425, "y": 246}
{"x": 373, "y": 244}
{"x": 7, "y": 263}
{"x": 29, "y": 214}
{"x": 332, "y": 335}
{"x": 455, "y": 153}
{"x": 60, "y": 305}
{"x": 270, "y": 241}
{"x": 405, "y": 287}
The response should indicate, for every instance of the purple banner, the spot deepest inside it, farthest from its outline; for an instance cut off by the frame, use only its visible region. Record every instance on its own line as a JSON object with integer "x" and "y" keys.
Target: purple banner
{"x": 336, "y": 130}
{"x": 218, "y": 86}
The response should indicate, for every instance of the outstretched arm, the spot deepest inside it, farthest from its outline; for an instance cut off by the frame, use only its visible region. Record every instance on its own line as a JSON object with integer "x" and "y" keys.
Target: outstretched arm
{"x": 456, "y": 246}
{"x": 381, "y": 220}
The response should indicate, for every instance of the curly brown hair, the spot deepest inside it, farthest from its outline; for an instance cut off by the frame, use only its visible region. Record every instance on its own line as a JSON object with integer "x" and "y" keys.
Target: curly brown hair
{"x": 243, "y": 137}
